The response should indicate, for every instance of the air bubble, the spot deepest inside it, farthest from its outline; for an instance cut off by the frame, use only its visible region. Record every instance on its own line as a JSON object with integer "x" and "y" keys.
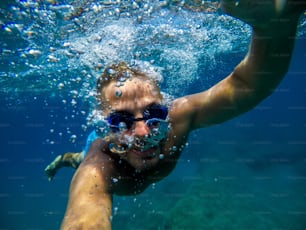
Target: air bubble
{"x": 73, "y": 102}
{"x": 73, "y": 138}
{"x": 111, "y": 145}
{"x": 115, "y": 180}
{"x": 66, "y": 44}
{"x": 122, "y": 126}
{"x": 74, "y": 93}
{"x": 35, "y": 53}
{"x": 118, "y": 93}
{"x": 52, "y": 58}
{"x": 7, "y": 29}
{"x": 60, "y": 86}
{"x": 111, "y": 71}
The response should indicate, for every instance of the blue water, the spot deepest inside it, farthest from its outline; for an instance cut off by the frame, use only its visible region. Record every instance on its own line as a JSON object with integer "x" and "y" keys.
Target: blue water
{"x": 249, "y": 173}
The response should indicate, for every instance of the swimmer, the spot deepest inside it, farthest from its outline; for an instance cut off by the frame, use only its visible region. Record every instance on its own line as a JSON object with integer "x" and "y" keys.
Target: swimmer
{"x": 139, "y": 150}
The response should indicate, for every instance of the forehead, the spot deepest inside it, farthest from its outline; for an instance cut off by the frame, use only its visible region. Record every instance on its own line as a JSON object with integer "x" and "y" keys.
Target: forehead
{"x": 133, "y": 94}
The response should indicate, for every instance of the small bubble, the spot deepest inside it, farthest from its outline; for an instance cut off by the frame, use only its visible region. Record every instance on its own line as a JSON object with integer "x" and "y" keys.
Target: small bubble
{"x": 73, "y": 138}
{"x": 122, "y": 126}
{"x": 66, "y": 44}
{"x": 73, "y": 102}
{"x": 52, "y": 58}
{"x": 35, "y": 53}
{"x": 118, "y": 93}
{"x": 161, "y": 156}
{"x": 7, "y": 29}
{"x": 111, "y": 71}
{"x": 60, "y": 85}
{"x": 74, "y": 93}
{"x": 111, "y": 145}
{"x": 115, "y": 180}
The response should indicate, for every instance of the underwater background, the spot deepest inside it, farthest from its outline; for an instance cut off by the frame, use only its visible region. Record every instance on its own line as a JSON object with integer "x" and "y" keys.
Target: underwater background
{"x": 248, "y": 173}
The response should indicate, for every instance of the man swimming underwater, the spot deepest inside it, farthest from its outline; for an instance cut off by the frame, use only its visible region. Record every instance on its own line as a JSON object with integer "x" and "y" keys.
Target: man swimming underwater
{"x": 139, "y": 150}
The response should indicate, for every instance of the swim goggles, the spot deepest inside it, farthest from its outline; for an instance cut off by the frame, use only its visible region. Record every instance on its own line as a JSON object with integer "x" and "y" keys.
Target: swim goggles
{"x": 123, "y": 120}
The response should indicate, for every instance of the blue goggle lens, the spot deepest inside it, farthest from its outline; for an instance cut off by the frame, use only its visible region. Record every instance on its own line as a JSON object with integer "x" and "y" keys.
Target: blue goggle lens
{"x": 153, "y": 114}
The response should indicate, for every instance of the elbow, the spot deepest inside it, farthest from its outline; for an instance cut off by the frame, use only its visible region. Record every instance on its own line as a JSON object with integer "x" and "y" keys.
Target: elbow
{"x": 247, "y": 95}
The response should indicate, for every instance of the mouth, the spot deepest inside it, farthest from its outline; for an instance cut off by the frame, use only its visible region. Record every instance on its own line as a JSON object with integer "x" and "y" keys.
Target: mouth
{"x": 146, "y": 154}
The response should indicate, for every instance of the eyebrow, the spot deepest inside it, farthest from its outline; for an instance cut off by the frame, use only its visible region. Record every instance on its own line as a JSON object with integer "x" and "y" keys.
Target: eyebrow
{"x": 127, "y": 111}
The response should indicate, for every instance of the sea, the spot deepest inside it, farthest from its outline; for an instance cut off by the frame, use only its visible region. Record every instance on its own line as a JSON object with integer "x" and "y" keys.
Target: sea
{"x": 248, "y": 173}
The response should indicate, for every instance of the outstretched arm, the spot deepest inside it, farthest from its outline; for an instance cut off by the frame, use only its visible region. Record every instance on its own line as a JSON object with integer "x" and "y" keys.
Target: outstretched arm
{"x": 66, "y": 160}
{"x": 259, "y": 73}
{"x": 90, "y": 199}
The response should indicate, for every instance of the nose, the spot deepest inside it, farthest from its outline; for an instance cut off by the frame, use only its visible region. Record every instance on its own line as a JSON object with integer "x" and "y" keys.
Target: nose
{"x": 141, "y": 129}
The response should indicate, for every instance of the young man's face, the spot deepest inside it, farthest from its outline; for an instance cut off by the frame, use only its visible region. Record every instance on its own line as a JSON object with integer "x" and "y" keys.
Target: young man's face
{"x": 135, "y": 97}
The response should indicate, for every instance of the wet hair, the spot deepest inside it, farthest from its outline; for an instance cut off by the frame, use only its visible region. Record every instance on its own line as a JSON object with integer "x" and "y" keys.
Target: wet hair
{"x": 119, "y": 73}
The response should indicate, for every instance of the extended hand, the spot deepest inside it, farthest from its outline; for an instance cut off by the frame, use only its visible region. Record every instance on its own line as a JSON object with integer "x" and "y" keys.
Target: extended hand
{"x": 264, "y": 14}
{"x": 52, "y": 168}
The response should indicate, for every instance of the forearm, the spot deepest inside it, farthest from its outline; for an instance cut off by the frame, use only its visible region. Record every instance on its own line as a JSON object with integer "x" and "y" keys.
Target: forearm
{"x": 94, "y": 216}
{"x": 90, "y": 201}
{"x": 72, "y": 159}
{"x": 89, "y": 217}
{"x": 268, "y": 59}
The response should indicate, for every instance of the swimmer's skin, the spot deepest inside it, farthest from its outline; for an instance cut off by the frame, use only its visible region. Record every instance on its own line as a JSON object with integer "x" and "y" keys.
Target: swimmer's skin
{"x": 66, "y": 160}
{"x": 102, "y": 173}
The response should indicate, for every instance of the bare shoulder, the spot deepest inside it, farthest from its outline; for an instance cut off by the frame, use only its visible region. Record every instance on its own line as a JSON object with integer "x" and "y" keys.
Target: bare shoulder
{"x": 185, "y": 111}
{"x": 181, "y": 109}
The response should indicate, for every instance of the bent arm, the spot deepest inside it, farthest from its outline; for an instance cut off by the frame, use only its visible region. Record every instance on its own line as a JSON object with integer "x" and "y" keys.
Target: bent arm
{"x": 254, "y": 79}
{"x": 90, "y": 201}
